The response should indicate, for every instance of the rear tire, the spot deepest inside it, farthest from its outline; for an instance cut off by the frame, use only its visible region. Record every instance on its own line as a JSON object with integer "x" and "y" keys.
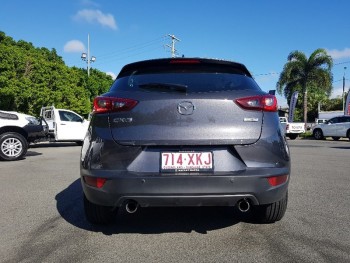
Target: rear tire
{"x": 13, "y": 146}
{"x": 271, "y": 213}
{"x": 98, "y": 214}
{"x": 318, "y": 134}
{"x": 335, "y": 138}
{"x": 293, "y": 136}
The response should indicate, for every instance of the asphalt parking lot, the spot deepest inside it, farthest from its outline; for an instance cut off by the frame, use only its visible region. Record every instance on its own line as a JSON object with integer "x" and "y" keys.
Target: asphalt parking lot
{"x": 41, "y": 216}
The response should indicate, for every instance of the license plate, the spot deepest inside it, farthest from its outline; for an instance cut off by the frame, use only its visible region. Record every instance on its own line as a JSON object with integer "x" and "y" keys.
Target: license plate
{"x": 186, "y": 161}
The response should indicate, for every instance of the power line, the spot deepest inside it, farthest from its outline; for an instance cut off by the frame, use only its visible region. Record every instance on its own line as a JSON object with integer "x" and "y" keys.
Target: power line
{"x": 265, "y": 74}
{"x": 134, "y": 47}
{"x": 339, "y": 80}
{"x": 341, "y": 63}
{"x": 275, "y": 73}
{"x": 133, "y": 50}
{"x": 106, "y": 61}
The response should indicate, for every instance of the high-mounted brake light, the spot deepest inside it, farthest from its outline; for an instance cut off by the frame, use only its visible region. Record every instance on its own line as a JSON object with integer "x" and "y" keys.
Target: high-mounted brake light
{"x": 110, "y": 104}
{"x": 277, "y": 180}
{"x": 259, "y": 103}
{"x": 184, "y": 61}
{"x": 95, "y": 181}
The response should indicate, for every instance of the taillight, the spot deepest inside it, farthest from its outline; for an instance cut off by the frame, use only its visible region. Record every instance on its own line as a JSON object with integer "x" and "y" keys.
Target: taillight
{"x": 277, "y": 180}
{"x": 262, "y": 102}
{"x": 95, "y": 181}
{"x": 184, "y": 61}
{"x": 111, "y": 104}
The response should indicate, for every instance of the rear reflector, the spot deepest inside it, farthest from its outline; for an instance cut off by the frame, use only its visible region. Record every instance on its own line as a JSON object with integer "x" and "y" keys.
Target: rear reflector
{"x": 277, "y": 180}
{"x": 111, "y": 104}
{"x": 95, "y": 181}
{"x": 258, "y": 103}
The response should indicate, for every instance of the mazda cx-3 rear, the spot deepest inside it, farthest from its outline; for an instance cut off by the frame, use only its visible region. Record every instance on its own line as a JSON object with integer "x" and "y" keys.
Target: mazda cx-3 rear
{"x": 185, "y": 132}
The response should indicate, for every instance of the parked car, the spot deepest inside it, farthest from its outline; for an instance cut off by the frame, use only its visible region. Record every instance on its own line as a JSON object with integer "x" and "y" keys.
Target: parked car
{"x": 292, "y": 129}
{"x": 17, "y": 131}
{"x": 336, "y": 128}
{"x": 185, "y": 132}
{"x": 64, "y": 125}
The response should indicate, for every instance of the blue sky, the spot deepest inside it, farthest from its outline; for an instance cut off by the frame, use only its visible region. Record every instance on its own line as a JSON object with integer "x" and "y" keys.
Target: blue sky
{"x": 259, "y": 34}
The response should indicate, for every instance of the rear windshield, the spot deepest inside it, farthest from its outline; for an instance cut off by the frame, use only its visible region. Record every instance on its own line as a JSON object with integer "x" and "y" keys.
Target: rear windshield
{"x": 189, "y": 81}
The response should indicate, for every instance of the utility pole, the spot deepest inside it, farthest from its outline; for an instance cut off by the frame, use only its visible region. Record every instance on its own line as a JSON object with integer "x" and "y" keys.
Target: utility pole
{"x": 172, "y": 46}
{"x": 87, "y": 57}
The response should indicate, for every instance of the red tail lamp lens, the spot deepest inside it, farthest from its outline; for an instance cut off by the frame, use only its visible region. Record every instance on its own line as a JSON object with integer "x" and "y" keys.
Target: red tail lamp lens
{"x": 111, "y": 104}
{"x": 258, "y": 103}
{"x": 277, "y": 180}
{"x": 185, "y": 61}
{"x": 95, "y": 181}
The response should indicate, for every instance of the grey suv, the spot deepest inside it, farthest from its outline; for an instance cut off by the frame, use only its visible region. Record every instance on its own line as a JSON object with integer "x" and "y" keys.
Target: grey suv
{"x": 185, "y": 132}
{"x": 336, "y": 128}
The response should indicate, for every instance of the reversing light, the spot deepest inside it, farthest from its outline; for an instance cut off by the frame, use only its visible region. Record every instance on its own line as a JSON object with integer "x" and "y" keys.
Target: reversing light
{"x": 111, "y": 104}
{"x": 277, "y": 180}
{"x": 95, "y": 181}
{"x": 259, "y": 103}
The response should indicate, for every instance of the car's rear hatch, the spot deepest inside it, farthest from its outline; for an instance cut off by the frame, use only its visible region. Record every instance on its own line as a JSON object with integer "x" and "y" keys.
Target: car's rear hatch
{"x": 156, "y": 120}
{"x": 185, "y": 104}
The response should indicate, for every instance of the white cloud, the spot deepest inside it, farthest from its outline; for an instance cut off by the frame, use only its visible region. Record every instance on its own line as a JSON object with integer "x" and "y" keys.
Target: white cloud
{"x": 73, "y": 46}
{"x": 111, "y": 74}
{"x": 337, "y": 54}
{"x": 96, "y": 16}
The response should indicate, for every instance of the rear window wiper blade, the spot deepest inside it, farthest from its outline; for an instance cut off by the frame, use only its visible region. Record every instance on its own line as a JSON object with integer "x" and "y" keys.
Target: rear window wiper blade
{"x": 166, "y": 87}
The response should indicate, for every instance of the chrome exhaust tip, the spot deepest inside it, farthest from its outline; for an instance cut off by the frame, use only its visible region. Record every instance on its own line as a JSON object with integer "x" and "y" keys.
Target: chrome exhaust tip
{"x": 131, "y": 206}
{"x": 243, "y": 205}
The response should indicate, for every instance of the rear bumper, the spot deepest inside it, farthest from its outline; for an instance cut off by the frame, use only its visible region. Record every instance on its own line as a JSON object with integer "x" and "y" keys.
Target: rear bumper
{"x": 186, "y": 190}
{"x": 295, "y": 132}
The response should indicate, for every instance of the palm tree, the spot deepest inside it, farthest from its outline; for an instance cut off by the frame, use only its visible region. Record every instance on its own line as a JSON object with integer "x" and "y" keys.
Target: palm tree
{"x": 300, "y": 73}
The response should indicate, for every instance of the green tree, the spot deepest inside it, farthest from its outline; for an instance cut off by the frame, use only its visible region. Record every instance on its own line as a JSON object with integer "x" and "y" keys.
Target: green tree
{"x": 33, "y": 77}
{"x": 332, "y": 104}
{"x": 305, "y": 75}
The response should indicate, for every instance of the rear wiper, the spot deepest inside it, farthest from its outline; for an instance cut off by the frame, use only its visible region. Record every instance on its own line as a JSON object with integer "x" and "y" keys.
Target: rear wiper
{"x": 166, "y": 87}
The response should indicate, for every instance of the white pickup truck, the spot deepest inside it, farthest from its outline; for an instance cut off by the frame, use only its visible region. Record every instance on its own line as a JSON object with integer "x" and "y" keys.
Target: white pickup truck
{"x": 292, "y": 129}
{"x": 65, "y": 125}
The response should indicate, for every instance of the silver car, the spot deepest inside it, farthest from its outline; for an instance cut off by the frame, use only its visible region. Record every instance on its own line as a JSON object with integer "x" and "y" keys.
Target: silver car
{"x": 185, "y": 132}
{"x": 336, "y": 128}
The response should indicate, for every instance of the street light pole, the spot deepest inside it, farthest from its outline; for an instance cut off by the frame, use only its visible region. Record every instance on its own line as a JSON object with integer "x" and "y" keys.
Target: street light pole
{"x": 87, "y": 57}
{"x": 343, "y": 89}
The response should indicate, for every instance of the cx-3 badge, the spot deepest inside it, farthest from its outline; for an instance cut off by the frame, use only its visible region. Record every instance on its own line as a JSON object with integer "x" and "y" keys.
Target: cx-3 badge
{"x": 185, "y": 108}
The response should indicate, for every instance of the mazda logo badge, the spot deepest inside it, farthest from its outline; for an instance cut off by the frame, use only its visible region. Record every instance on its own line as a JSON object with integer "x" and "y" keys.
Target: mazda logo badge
{"x": 185, "y": 108}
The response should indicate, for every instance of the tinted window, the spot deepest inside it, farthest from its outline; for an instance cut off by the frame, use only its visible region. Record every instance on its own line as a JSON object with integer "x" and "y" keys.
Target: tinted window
{"x": 345, "y": 119}
{"x": 334, "y": 120}
{"x": 194, "y": 82}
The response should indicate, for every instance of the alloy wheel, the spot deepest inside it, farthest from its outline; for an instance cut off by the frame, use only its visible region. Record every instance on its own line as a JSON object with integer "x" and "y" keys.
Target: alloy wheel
{"x": 11, "y": 147}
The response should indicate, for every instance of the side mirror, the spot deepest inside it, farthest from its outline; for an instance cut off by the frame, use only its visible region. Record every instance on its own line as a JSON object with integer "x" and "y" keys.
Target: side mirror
{"x": 272, "y": 92}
